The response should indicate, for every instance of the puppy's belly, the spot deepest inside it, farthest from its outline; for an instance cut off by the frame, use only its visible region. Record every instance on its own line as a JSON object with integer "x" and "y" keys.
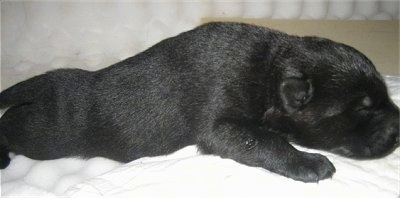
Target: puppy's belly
{"x": 135, "y": 128}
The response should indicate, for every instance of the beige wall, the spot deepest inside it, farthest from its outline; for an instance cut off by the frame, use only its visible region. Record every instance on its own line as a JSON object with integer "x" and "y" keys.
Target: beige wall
{"x": 378, "y": 40}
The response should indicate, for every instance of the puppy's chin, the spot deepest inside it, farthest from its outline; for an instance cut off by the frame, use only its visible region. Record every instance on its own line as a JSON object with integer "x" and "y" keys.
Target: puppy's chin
{"x": 383, "y": 140}
{"x": 378, "y": 149}
{"x": 373, "y": 140}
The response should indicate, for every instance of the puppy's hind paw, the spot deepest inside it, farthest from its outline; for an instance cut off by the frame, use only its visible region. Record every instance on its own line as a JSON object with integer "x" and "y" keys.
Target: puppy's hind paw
{"x": 4, "y": 158}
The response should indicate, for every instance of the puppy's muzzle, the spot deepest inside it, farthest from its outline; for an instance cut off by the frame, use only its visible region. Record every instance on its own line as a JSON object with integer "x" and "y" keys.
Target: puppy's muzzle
{"x": 386, "y": 139}
{"x": 393, "y": 132}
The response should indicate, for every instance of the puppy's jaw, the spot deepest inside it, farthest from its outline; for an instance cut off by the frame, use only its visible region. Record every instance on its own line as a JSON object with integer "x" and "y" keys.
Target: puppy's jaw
{"x": 385, "y": 139}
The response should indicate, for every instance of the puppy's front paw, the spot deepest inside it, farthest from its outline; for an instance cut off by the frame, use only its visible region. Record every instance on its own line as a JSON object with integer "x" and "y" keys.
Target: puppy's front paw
{"x": 309, "y": 167}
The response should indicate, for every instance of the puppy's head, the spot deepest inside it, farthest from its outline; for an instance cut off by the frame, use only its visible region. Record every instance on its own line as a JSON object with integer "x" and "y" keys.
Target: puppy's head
{"x": 331, "y": 97}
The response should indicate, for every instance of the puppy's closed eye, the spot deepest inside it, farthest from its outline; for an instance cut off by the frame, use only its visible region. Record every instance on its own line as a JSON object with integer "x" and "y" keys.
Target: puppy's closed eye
{"x": 364, "y": 104}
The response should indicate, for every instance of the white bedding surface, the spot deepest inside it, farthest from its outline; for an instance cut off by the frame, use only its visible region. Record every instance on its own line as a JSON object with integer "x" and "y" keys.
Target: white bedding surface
{"x": 186, "y": 173}
{"x": 37, "y": 37}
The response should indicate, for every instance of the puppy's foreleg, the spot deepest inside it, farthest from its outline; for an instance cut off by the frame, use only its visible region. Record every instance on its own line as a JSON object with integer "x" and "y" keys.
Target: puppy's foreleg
{"x": 241, "y": 141}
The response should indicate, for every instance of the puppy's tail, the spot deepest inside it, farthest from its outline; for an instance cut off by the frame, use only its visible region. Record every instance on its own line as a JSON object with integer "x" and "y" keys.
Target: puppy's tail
{"x": 21, "y": 93}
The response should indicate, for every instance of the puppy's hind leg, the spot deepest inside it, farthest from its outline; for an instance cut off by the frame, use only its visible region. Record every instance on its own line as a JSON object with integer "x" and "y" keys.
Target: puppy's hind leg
{"x": 21, "y": 93}
{"x": 4, "y": 158}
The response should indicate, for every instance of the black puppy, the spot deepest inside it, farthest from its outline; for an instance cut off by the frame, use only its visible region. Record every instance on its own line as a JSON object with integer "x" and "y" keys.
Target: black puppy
{"x": 236, "y": 90}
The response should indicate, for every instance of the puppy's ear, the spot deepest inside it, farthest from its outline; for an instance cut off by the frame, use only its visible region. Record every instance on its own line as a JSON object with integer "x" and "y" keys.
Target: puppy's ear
{"x": 295, "y": 93}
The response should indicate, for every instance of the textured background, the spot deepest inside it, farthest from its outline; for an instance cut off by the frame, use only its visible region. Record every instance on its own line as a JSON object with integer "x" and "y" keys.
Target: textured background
{"x": 37, "y": 36}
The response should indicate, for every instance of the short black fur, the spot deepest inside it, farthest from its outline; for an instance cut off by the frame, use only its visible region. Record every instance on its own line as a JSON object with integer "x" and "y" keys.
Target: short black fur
{"x": 236, "y": 90}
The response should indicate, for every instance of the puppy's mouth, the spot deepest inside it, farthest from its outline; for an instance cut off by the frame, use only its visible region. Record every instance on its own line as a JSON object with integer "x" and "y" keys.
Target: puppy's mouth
{"x": 383, "y": 145}
{"x": 384, "y": 142}
{"x": 376, "y": 147}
